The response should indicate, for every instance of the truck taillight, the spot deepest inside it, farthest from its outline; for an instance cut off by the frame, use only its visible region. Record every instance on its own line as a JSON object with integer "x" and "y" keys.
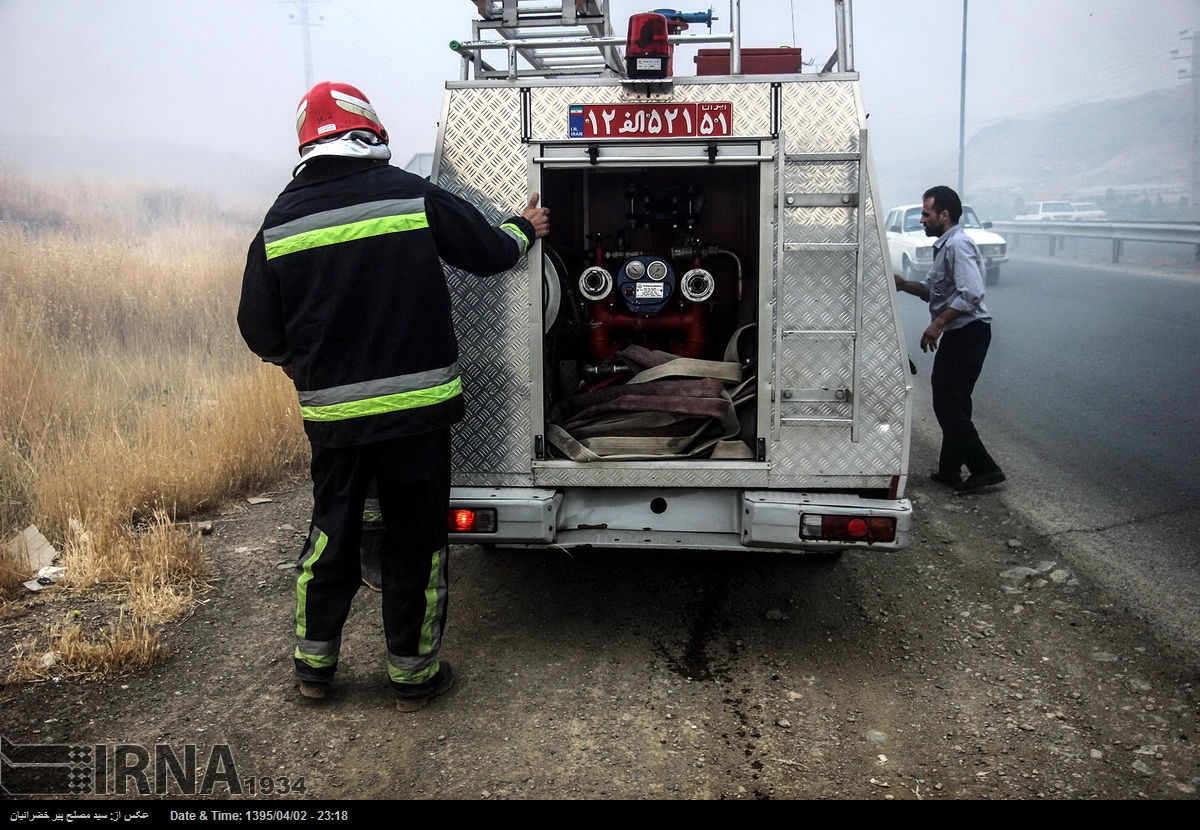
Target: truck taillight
{"x": 838, "y": 528}
{"x": 647, "y": 51}
{"x": 471, "y": 520}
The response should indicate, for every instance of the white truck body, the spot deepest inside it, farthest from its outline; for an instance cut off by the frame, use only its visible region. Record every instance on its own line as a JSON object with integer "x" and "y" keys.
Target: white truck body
{"x": 762, "y": 186}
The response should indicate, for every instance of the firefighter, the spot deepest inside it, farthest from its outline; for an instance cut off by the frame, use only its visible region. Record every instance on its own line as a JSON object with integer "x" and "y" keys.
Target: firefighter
{"x": 344, "y": 289}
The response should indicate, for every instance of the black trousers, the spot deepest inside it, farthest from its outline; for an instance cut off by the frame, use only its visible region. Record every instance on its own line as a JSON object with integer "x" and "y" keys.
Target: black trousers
{"x": 412, "y": 476}
{"x": 956, "y": 367}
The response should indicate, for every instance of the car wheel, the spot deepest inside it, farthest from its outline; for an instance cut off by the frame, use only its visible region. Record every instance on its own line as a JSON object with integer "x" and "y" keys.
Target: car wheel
{"x": 993, "y": 276}
{"x": 910, "y": 271}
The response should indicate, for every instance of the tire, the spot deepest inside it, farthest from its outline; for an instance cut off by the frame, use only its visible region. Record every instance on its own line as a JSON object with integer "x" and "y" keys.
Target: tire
{"x": 993, "y": 276}
{"x": 910, "y": 271}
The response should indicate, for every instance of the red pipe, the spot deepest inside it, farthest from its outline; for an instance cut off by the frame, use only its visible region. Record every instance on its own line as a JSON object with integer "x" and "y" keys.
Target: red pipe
{"x": 684, "y": 330}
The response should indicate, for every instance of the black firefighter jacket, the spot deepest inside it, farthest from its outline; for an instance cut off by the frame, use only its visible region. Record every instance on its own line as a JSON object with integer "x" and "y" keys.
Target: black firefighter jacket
{"x": 344, "y": 282}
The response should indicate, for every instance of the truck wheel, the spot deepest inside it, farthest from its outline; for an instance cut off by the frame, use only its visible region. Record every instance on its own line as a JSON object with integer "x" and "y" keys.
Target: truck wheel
{"x": 993, "y": 276}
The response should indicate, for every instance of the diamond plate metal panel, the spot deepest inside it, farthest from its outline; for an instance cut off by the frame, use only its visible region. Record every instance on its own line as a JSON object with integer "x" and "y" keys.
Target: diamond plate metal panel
{"x": 820, "y": 117}
{"x": 663, "y": 474}
{"x": 810, "y": 363}
{"x": 818, "y": 290}
{"x": 491, "y": 316}
{"x": 548, "y": 105}
{"x": 817, "y": 294}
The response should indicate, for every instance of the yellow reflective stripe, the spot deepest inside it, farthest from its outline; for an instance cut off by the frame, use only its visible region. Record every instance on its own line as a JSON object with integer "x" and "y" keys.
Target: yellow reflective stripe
{"x": 337, "y": 234}
{"x": 515, "y": 231}
{"x": 306, "y": 576}
{"x": 383, "y": 404}
{"x": 317, "y": 661}
{"x": 434, "y": 593}
{"x": 413, "y": 677}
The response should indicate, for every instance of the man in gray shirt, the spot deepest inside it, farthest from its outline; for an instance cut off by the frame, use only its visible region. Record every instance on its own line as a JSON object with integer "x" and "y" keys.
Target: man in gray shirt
{"x": 960, "y": 332}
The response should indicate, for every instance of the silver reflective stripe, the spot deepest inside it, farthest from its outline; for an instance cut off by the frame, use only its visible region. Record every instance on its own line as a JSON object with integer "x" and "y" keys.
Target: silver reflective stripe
{"x": 344, "y": 216}
{"x": 368, "y": 389}
{"x": 318, "y": 647}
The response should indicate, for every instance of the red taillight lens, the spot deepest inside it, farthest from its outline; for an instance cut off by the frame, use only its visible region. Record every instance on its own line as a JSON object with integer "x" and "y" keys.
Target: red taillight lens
{"x": 461, "y": 521}
{"x": 470, "y": 520}
{"x": 848, "y": 528}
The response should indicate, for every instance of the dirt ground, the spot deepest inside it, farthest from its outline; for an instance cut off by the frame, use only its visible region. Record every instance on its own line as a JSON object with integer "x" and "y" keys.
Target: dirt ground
{"x": 979, "y": 663}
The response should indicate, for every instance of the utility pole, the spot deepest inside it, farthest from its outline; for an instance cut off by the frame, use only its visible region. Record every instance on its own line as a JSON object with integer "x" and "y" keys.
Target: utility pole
{"x": 305, "y": 22}
{"x": 1194, "y": 190}
{"x": 962, "y": 108}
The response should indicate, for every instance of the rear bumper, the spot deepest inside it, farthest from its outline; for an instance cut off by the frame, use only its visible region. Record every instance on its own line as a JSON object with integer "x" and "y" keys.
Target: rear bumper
{"x": 688, "y": 519}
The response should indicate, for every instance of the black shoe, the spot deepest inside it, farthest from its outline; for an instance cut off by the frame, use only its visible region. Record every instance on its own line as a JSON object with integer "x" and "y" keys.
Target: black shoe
{"x": 978, "y": 481}
{"x": 312, "y": 689}
{"x": 949, "y": 479}
{"x": 411, "y": 698}
{"x": 313, "y": 682}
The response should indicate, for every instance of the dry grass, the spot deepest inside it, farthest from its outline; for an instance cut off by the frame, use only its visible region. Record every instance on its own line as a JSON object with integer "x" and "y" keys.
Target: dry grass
{"x": 127, "y": 398}
{"x": 72, "y": 653}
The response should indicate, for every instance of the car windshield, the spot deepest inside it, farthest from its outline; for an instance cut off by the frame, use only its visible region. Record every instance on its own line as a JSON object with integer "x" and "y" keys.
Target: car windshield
{"x": 970, "y": 220}
{"x": 912, "y": 219}
{"x": 1056, "y": 207}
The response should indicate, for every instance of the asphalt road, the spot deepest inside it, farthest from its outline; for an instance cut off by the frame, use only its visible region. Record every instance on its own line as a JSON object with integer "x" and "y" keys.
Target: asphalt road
{"x": 1090, "y": 400}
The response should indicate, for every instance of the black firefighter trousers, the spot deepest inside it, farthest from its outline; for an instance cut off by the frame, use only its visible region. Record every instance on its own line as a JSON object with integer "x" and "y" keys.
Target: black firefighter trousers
{"x": 413, "y": 479}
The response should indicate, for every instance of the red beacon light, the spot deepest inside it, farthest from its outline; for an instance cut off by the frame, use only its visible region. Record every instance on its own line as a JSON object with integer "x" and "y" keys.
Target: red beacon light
{"x": 647, "y": 51}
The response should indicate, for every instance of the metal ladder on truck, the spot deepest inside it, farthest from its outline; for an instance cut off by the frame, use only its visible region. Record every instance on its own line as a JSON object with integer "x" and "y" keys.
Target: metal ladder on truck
{"x": 833, "y": 339}
{"x": 841, "y": 262}
{"x": 541, "y": 38}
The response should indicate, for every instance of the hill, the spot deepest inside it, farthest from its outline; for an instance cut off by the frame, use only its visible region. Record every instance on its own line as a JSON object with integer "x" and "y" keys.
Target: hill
{"x": 1136, "y": 147}
{"x": 1130, "y": 154}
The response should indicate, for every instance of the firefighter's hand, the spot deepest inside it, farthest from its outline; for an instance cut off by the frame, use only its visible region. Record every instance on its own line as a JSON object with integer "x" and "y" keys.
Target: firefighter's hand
{"x": 539, "y": 217}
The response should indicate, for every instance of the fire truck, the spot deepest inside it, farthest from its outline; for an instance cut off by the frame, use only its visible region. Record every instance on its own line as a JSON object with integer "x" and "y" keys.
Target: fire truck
{"x": 705, "y": 352}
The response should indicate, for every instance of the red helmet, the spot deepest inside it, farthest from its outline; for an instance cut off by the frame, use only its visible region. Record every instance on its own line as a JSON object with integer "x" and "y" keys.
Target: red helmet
{"x": 331, "y": 109}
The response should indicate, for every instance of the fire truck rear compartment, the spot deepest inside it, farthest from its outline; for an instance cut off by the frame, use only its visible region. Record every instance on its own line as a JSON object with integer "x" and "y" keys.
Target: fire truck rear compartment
{"x": 661, "y": 259}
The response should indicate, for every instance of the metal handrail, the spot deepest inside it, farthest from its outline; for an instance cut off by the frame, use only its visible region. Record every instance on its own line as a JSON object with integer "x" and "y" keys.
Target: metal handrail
{"x": 1183, "y": 233}
{"x": 498, "y": 16}
{"x": 470, "y": 49}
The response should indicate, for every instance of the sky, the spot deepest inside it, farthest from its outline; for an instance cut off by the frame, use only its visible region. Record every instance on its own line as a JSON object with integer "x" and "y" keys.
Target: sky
{"x": 227, "y": 74}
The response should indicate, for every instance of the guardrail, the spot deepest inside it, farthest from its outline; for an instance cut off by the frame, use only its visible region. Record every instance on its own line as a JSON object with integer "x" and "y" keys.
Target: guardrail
{"x": 1182, "y": 233}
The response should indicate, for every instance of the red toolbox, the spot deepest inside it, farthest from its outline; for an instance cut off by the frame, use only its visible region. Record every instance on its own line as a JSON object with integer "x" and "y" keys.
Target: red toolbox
{"x": 781, "y": 61}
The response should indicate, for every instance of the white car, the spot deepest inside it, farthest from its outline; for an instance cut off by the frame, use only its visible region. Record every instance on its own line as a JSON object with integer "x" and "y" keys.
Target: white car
{"x": 1047, "y": 212}
{"x": 911, "y": 251}
{"x": 1088, "y": 212}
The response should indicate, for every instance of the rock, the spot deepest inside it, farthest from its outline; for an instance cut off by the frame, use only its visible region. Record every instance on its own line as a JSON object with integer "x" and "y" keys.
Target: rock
{"x": 1019, "y": 572}
{"x": 1141, "y": 767}
{"x": 1104, "y": 657}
